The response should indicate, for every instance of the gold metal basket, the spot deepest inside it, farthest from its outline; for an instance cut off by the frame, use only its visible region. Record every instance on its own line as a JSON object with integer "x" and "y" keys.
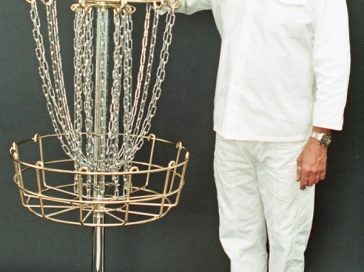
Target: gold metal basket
{"x": 50, "y": 189}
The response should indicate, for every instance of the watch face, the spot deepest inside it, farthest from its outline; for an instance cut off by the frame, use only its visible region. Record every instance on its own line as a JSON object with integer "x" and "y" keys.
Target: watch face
{"x": 326, "y": 139}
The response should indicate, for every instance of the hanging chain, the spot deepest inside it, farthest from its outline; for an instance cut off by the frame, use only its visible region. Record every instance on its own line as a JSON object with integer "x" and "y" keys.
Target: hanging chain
{"x": 47, "y": 86}
{"x": 161, "y": 74}
{"x": 101, "y": 92}
{"x": 83, "y": 86}
{"x": 142, "y": 60}
{"x": 79, "y": 41}
{"x": 61, "y": 98}
{"x": 88, "y": 87}
{"x": 148, "y": 75}
{"x": 113, "y": 135}
{"x": 138, "y": 140}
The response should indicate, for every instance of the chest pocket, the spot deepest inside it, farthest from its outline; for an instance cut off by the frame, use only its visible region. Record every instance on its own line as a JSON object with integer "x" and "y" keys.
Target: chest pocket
{"x": 291, "y": 17}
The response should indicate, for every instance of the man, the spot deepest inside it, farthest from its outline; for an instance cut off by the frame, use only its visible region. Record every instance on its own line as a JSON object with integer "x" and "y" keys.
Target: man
{"x": 281, "y": 89}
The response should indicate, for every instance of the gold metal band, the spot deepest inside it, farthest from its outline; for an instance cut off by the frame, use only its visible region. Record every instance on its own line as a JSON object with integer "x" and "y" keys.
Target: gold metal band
{"x": 116, "y": 4}
{"x": 124, "y": 5}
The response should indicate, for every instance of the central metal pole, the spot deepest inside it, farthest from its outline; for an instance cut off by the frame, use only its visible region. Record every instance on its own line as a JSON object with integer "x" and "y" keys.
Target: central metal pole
{"x": 101, "y": 75}
{"x": 98, "y": 262}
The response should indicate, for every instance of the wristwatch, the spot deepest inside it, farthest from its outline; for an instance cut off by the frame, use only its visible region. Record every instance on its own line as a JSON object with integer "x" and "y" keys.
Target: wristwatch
{"x": 323, "y": 138}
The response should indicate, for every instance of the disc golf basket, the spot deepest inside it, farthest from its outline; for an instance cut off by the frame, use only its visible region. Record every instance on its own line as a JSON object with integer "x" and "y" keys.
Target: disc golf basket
{"x": 113, "y": 172}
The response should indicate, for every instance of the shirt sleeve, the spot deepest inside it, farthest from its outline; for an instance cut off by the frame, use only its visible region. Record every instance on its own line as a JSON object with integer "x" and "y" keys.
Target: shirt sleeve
{"x": 331, "y": 61}
{"x": 192, "y": 6}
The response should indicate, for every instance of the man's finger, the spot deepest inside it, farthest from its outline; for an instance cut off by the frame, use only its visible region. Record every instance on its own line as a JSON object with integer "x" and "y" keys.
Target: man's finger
{"x": 303, "y": 180}
{"x": 323, "y": 175}
{"x": 299, "y": 173}
{"x": 314, "y": 179}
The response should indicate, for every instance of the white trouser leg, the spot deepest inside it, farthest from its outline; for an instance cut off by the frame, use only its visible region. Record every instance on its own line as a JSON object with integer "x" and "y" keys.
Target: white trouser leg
{"x": 256, "y": 182}
{"x": 242, "y": 224}
{"x": 288, "y": 210}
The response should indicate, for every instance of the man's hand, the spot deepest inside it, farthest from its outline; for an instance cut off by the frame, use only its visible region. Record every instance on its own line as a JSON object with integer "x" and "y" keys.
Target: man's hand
{"x": 311, "y": 164}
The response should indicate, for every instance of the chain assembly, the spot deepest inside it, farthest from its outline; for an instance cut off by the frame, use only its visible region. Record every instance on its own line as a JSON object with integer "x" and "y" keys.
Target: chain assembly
{"x": 107, "y": 127}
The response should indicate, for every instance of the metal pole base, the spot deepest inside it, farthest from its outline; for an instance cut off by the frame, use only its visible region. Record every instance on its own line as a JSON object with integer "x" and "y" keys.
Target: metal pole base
{"x": 98, "y": 260}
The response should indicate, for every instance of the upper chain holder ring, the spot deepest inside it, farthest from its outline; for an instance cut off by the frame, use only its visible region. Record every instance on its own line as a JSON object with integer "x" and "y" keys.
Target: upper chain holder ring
{"x": 117, "y": 4}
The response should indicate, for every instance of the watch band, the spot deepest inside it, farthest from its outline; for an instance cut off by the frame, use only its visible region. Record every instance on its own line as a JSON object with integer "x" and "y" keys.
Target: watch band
{"x": 323, "y": 138}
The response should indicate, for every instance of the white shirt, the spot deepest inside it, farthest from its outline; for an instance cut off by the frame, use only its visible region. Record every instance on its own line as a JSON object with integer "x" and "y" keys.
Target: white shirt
{"x": 284, "y": 67}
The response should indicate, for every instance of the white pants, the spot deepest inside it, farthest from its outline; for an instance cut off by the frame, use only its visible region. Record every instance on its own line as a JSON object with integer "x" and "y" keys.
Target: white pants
{"x": 259, "y": 197}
